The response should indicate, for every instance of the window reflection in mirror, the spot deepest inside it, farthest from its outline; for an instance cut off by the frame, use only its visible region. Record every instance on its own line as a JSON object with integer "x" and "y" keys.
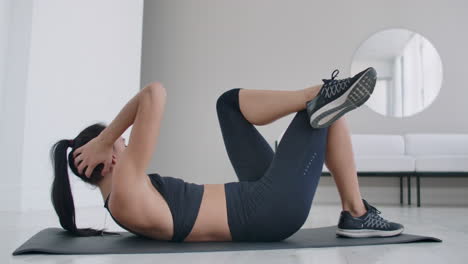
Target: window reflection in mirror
{"x": 409, "y": 71}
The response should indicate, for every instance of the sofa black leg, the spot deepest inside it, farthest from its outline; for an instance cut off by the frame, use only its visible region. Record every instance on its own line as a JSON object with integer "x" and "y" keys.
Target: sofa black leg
{"x": 401, "y": 189}
{"x": 418, "y": 189}
{"x": 409, "y": 189}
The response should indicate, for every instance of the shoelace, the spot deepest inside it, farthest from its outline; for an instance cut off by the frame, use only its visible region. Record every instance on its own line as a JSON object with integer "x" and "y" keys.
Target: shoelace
{"x": 374, "y": 219}
{"x": 332, "y": 86}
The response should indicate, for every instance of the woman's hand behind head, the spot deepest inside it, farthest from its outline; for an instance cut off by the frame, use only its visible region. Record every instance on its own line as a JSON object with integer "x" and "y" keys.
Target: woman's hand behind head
{"x": 93, "y": 153}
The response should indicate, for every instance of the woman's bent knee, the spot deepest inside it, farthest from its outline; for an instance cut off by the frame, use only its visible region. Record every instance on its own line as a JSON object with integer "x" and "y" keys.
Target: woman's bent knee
{"x": 229, "y": 98}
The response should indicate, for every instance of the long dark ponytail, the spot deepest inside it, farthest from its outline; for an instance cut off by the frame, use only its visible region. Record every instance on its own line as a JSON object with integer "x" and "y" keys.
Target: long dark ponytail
{"x": 61, "y": 195}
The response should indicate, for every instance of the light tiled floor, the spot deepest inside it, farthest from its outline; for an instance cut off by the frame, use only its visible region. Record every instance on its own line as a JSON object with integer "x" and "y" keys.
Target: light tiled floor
{"x": 447, "y": 223}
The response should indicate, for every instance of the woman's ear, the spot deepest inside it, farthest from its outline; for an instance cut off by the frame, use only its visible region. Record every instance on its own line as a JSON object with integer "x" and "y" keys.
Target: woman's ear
{"x": 113, "y": 159}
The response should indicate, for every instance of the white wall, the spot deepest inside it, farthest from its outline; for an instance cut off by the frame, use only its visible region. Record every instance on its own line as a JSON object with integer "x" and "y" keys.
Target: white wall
{"x": 83, "y": 66}
{"x": 200, "y": 48}
{"x": 15, "y": 42}
{"x": 5, "y": 10}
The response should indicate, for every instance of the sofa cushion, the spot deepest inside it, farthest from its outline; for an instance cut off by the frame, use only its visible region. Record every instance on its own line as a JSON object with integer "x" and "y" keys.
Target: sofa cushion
{"x": 436, "y": 144}
{"x": 381, "y": 144}
{"x": 374, "y": 144}
{"x": 442, "y": 163}
{"x": 384, "y": 163}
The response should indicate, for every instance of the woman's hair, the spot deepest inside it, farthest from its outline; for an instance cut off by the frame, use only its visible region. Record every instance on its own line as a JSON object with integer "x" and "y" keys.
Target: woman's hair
{"x": 61, "y": 195}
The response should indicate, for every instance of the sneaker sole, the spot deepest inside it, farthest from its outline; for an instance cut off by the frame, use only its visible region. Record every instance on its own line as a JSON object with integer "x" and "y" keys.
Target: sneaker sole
{"x": 367, "y": 232}
{"x": 356, "y": 95}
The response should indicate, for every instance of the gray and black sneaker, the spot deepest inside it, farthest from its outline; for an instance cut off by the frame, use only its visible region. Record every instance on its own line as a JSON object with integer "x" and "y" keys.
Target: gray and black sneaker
{"x": 371, "y": 224}
{"x": 337, "y": 97}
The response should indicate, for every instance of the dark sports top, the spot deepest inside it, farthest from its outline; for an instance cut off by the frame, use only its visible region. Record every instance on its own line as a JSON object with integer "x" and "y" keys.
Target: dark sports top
{"x": 183, "y": 198}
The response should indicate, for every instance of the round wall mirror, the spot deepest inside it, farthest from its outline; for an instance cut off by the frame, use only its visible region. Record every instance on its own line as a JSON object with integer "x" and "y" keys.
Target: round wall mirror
{"x": 409, "y": 71}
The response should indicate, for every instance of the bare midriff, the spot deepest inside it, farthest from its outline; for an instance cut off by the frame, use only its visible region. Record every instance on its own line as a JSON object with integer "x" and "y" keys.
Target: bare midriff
{"x": 153, "y": 218}
{"x": 211, "y": 223}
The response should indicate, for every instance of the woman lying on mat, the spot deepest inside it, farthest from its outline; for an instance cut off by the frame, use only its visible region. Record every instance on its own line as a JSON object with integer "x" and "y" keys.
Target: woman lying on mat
{"x": 274, "y": 194}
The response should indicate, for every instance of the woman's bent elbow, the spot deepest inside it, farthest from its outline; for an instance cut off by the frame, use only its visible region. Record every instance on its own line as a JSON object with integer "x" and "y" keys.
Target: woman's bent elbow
{"x": 157, "y": 89}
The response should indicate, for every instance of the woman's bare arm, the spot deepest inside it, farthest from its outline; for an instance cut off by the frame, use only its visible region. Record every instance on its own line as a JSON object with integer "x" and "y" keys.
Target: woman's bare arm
{"x": 123, "y": 120}
{"x": 145, "y": 130}
{"x": 134, "y": 160}
{"x": 144, "y": 111}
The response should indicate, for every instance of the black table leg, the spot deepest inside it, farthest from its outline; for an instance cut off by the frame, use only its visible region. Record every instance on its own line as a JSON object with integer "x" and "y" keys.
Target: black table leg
{"x": 418, "y": 189}
{"x": 401, "y": 189}
{"x": 409, "y": 189}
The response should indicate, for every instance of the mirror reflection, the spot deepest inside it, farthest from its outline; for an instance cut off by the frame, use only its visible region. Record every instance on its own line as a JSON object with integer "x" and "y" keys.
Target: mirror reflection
{"x": 409, "y": 71}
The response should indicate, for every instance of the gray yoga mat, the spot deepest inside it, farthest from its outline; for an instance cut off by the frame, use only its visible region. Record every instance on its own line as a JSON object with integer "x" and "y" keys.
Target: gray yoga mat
{"x": 57, "y": 241}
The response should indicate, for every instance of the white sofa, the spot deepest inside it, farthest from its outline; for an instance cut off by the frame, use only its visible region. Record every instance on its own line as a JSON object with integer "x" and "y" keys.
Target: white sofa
{"x": 382, "y": 155}
{"x": 379, "y": 155}
{"x": 418, "y": 154}
{"x": 437, "y": 155}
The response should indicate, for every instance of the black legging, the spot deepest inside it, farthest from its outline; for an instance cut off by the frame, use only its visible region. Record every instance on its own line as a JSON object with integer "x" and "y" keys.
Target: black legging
{"x": 274, "y": 194}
